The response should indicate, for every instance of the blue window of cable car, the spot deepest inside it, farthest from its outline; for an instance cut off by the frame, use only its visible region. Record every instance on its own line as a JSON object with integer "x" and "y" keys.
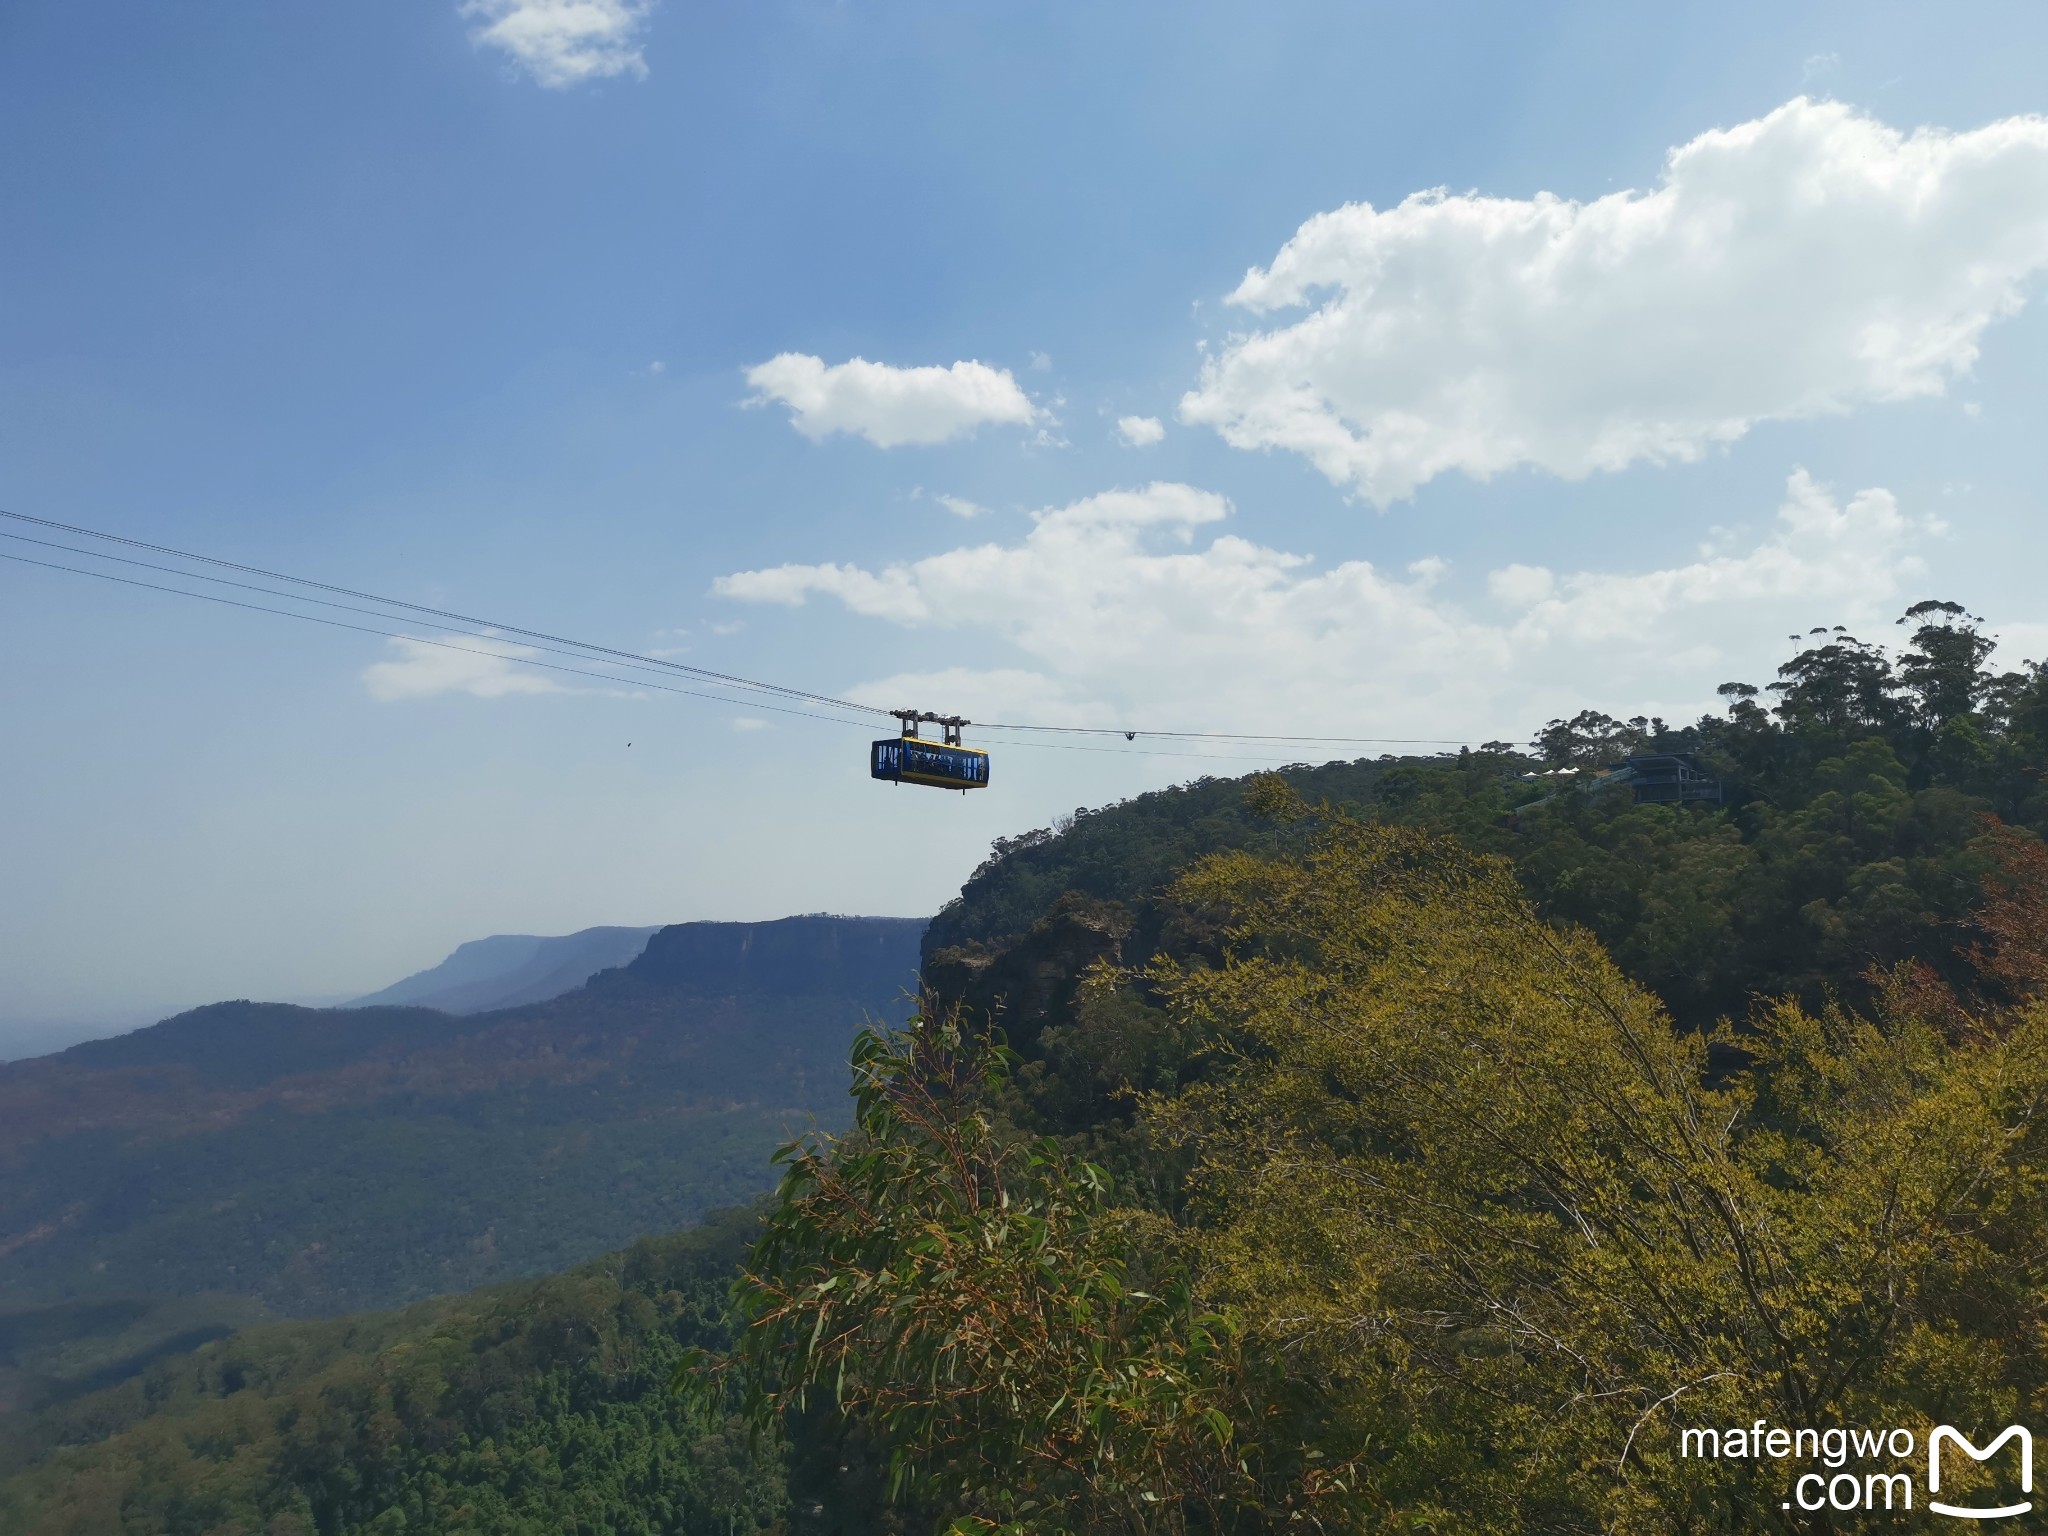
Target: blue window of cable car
{"x": 909, "y": 760}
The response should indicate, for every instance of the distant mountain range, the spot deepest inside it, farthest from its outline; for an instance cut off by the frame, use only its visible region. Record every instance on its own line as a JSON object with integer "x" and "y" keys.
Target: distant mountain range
{"x": 326, "y": 1160}
{"x": 509, "y": 969}
{"x": 502, "y": 971}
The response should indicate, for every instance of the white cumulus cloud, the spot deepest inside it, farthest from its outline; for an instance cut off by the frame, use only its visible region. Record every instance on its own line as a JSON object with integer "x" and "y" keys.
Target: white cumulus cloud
{"x": 1799, "y": 265}
{"x": 1133, "y": 609}
{"x": 1140, "y": 431}
{"x": 889, "y": 406}
{"x": 473, "y": 664}
{"x": 1821, "y": 555}
{"x": 565, "y": 42}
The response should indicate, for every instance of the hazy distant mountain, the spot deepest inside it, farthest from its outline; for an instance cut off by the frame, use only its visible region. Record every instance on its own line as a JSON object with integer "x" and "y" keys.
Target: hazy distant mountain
{"x": 327, "y": 1160}
{"x": 21, "y": 1038}
{"x": 508, "y": 969}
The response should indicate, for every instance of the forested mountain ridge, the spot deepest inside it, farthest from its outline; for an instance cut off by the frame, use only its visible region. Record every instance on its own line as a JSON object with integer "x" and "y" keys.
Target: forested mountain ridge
{"x": 329, "y": 1160}
{"x": 508, "y": 969}
{"x": 1857, "y": 787}
{"x": 1124, "y": 852}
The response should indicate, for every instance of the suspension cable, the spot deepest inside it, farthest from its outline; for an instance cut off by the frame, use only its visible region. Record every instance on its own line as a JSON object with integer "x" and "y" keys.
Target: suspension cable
{"x": 562, "y": 645}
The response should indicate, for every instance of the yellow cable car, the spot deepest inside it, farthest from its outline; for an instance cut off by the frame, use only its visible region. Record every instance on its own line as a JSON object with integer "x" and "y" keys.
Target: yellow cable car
{"x": 944, "y": 764}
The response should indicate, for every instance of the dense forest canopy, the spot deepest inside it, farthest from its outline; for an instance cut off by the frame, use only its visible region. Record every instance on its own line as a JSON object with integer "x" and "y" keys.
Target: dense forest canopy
{"x": 1374, "y": 1197}
{"x": 523, "y": 1410}
{"x": 1859, "y": 786}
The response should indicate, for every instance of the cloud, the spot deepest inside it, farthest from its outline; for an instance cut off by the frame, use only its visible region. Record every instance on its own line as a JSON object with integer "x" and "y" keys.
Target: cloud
{"x": 889, "y": 406}
{"x": 564, "y": 42}
{"x": 1520, "y": 586}
{"x": 790, "y": 585}
{"x": 960, "y": 506}
{"x": 1820, "y": 555}
{"x": 1140, "y": 431}
{"x": 1123, "y": 616}
{"x": 1800, "y": 265}
{"x": 484, "y": 668}
{"x": 2020, "y": 643}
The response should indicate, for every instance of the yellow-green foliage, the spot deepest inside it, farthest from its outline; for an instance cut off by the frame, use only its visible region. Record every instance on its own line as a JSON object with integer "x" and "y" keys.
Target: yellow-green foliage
{"x": 1508, "y": 1232}
{"x": 962, "y": 1291}
{"x": 1471, "y": 1231}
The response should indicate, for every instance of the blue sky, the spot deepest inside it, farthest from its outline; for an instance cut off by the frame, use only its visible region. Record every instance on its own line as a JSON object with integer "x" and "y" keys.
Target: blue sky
{"x": 482, "y": 307}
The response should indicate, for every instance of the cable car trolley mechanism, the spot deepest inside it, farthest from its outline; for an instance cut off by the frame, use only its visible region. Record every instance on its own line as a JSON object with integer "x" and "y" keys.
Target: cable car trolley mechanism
{"x": 943, "y": 764}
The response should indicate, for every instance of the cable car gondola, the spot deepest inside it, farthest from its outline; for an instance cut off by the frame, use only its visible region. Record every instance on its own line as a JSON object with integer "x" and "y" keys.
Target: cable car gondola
{"x": 945, "y": 764}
